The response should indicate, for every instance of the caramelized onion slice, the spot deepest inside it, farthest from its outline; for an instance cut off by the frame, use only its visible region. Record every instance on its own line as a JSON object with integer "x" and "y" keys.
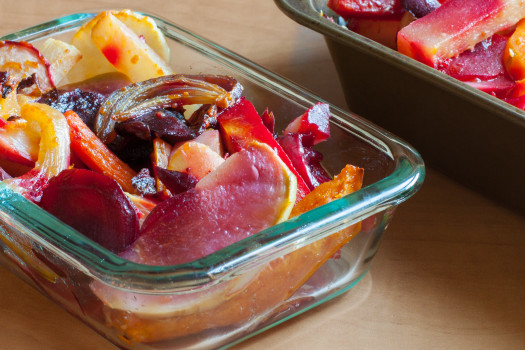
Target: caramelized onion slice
{"x": 166, "y": 91}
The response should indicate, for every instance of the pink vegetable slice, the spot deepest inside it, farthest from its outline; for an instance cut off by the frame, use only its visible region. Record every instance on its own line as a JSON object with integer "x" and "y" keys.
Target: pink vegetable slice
{"x": 22, "y": 60}
{"x": 456, "y": 26}
{"x": 315, "y": 121}
{"x": 483, "y": 63}
{"x": 240, "y": 125}
{"x": 366, "y": 9}
{"x": 249, "y": 192}
{"x": 421, "y": 8}
{"x": 305, "y": 159}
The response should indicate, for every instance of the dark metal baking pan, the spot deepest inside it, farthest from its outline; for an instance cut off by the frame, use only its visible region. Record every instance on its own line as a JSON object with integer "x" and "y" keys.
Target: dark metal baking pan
{"x": 460, "y": 131}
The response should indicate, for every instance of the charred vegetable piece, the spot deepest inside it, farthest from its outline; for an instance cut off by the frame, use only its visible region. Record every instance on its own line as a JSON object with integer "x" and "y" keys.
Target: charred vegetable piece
{"x": 144, "y": 183}
{"x": 175, "y": 181}
{"x": 421, "y": 8}
{"x": 166, "y": 91}
{"x": 160, "y": 158}
{"x": 165, "y": 124}
{"x": 93, "y": 204}
{"x": 84, "y": 103}
{"x": 314, "y": 121}
{"x": 203, "y": 118}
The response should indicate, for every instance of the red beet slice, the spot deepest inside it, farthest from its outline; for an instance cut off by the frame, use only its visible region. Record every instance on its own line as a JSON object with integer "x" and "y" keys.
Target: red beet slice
{"x": 3, "y": 174}
{"x": 366, "y": 9}
{"x": 484, "y": 62}
{"x": 420, "y": 8}
{"x": 499, "y": 86}
{"x": 268, "y": 120}
{"x": 314, "y": 121}
{"x": 93, "y": 204}
{"x": 306, "y": 160}
{"x": 249, "y": 192}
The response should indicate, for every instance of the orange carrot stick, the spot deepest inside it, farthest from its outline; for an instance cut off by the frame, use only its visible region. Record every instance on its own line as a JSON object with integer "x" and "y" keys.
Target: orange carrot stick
{"x": 88, "y": 147}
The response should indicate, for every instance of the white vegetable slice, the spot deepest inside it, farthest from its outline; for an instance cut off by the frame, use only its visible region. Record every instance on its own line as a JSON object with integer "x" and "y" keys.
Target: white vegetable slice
{"x": 126, "y": 51}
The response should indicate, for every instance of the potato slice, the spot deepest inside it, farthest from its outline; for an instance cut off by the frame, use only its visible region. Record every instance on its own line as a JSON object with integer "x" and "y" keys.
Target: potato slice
{"x": 126, "y": 51}
{"x": 62, "y": 57}
{"x": 147, "y": 29}
{"x": 94, "y": 63}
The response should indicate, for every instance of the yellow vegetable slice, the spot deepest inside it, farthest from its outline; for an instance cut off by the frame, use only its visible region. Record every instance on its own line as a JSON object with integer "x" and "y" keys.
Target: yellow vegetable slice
{"x": 126, "y": 51}
{"x": 146, "y": 35}
{"x": 146, "y": 29}
{"x": 93, "y": 61}
{"x": 62, "y": 57}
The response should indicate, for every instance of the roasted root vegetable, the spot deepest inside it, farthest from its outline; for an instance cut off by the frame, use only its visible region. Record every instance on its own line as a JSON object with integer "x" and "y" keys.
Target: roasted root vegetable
{"x": 53, "y": 153}
{"x": 92, "y": 152}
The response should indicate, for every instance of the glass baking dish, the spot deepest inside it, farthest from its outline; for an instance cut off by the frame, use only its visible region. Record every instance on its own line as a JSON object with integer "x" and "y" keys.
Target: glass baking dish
{"x": 232, "y": 294}
{"x": 465, "y": 133}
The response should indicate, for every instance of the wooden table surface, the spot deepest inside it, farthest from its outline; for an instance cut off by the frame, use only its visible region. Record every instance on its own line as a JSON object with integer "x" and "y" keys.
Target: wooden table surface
{"x": 450, "y": 273}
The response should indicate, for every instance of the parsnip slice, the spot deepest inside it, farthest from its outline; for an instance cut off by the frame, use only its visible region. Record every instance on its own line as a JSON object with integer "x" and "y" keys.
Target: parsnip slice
{"x": 126, "y": 51}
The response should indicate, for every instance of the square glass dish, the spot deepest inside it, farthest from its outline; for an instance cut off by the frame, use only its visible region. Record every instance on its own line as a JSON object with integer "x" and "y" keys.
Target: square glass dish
{"x": 459, "y": 130}
{"x": 243, "y": 289}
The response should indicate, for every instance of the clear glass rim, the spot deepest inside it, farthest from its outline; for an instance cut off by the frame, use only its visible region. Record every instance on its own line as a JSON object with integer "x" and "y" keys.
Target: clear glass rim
{"x": 260, "y": 248}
